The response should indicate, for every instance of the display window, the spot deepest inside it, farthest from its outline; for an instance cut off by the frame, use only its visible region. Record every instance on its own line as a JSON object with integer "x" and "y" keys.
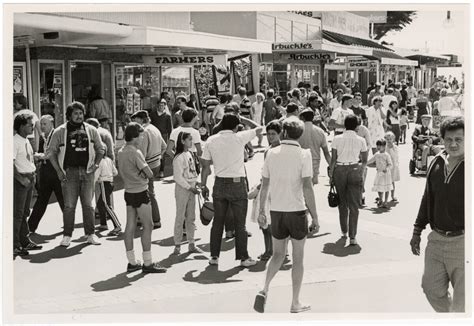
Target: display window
{"x": 51, "y": 90}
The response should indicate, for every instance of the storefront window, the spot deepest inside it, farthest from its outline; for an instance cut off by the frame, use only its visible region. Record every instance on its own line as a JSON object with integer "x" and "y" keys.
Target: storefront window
{"x": 136, "y": 88}
{"x": 267, "y": 80}
{"x": 51, "y": 90}
{"x": 308, "y": 74}
{"x": 282, "y": 79}
{"x": 176, "y": 81}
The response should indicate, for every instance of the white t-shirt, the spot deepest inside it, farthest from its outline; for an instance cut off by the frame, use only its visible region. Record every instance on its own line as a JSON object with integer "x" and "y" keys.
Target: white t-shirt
{"x": 194, "y": 134}
{"x": 334, "y": 104}
{"x": 348, "y": 146}
{"x": 446, "y": 104}
{"x": 386, "y": 99}
{"x": 339, "y": 115}
{"x": 286, "y": 166}
{"x": 23, "y": 155}
{"x": 226, "y": 151}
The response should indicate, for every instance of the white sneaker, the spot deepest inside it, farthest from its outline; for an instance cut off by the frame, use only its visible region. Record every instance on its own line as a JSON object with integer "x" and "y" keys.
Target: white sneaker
{"x": 248, "y": 262}
{"x": 66, "y": 241}
{"x": 92, "y": 239}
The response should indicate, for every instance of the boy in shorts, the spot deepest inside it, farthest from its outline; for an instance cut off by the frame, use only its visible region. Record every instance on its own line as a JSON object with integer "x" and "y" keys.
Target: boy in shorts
{"x": 135, "y": 173}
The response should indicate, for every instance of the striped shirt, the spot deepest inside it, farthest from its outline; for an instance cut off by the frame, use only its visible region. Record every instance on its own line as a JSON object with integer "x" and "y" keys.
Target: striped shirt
{"x": 349, "y": 146}
{"x": 211, "y": 102}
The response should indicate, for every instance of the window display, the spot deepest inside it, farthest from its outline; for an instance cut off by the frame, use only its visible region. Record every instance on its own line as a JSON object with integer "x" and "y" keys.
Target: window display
{"x": 52, "y": 90}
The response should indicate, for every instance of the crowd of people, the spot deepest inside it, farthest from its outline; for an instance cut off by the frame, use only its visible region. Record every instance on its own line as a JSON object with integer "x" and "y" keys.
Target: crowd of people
{"x": 77, "y": 160}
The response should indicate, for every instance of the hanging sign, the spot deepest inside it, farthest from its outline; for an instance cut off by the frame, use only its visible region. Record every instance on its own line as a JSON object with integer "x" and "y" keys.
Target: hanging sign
{"x": 360, "y": 64}
{"x": 185, "y": 60}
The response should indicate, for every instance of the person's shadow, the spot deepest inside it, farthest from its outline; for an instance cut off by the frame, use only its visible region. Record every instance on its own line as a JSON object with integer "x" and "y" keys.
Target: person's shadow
{"x": 211, "y": 275}
{"x": 173, "y": 259}
{"x": 339, "y": 248}
{"x": 119, "y": 281}
{"x": 42, "y": 238}
{"x": 55, "y": 253}
{"x": 169, "y": 242}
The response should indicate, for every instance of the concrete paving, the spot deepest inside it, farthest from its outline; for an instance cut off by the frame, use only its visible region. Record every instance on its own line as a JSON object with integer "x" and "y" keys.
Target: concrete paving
{"x": 380, "y": 276}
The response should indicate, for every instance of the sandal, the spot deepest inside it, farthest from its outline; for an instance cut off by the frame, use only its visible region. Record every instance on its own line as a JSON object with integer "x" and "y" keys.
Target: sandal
{"x": 114, "y": 232}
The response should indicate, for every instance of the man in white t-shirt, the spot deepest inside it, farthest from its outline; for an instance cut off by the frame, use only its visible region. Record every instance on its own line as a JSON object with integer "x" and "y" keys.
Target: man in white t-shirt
{"x": 287, "y": 178}
{"x": 336, "y": 101}
{"x": 24, "y": 180}
{"x": 189, "y": 119}
{"x": 339, "y": 115}
{"x": 389, "y": 97}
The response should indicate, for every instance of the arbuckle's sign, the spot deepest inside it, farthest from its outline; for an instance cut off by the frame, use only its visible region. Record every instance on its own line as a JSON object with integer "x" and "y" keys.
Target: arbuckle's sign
{"x": 296, "y": 46}
{"x": 190, "y": 60}
{"x": 311, "y": 56}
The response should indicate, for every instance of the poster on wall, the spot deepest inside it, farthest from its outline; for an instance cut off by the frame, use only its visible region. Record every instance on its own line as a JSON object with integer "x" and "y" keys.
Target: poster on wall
{"x": 222, "y": 75}
{"x": 18, "y": 80}
{"x": 58, "y": 83}
{"x": 204, "y": 80}
{"x": 242, "y": 73}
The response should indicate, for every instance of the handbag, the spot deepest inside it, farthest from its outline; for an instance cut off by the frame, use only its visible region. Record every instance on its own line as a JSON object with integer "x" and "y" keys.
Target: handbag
{"x": 333, "y": 196}
{"x": 206, "y": 210}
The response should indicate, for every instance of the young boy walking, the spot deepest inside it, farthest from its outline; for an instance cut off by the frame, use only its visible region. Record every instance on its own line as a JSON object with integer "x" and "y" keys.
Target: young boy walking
{"x": 135, "y": 173}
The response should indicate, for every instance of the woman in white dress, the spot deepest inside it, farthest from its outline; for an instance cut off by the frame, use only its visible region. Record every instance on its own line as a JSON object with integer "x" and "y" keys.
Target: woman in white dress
{"x": 392, "y": 150}
{"x": 257, "y": 113}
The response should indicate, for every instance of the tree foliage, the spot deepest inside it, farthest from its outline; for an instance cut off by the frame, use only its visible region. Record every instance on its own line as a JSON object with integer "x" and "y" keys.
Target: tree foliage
{"x": 396, "y": 21}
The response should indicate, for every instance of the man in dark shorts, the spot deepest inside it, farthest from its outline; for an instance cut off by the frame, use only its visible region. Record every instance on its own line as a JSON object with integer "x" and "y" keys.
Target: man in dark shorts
{"x": 287, "y": 177}
{"x": 135, "y": 173}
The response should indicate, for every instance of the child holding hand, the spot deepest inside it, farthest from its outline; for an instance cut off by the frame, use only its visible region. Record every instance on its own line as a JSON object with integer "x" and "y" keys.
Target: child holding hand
{"x": 383, "y": 179}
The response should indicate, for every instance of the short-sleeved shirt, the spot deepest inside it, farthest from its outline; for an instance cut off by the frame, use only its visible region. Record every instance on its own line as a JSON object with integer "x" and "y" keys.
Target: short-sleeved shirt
{"x": 349, "y": 146}
{"x": 23, "y": 155}
{"x": 313, "y": 138}
{"x": 360, "y": 112}
{"x": 226, "y": 151}
{"x": 286, "y": 166}
{"x": 339, "y": 115}
{"x": 131, "y": 162}
{"x": 194, "y": 134}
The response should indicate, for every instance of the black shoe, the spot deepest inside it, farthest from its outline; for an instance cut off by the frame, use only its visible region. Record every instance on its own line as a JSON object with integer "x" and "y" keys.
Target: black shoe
{"x": 133, "y": 268}
{"x": 32, "y": 246}
{"x": 156, "y": 225}
{"x": 20, "y": 252}
{"x": 249, "y": 234}
{"x": 153, "y": 268}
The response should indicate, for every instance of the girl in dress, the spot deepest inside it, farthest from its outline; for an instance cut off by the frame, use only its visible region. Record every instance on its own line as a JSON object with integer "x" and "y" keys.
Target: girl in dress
{"x": 392, "y": 150}
{"x": 383, "y": 179}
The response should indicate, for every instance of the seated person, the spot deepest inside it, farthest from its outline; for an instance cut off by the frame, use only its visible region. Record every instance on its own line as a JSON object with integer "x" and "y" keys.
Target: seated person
{"x": 425, "y": 138}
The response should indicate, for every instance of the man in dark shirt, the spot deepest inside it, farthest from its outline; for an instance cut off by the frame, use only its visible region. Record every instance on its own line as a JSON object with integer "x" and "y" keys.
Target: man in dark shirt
{"x": 442, "y": 206}
{"x": 162, "y": 120}
{"x": 357, "y": 109}
{"x": 49, "y": 181}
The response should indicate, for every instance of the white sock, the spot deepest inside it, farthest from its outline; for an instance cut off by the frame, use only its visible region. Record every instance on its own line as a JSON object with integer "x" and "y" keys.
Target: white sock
{"x": 147, "y": 260}
{"x": 131, "y": 257}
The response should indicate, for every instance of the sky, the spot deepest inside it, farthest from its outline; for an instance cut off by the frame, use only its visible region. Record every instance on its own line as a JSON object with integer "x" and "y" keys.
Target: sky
{"x": 429, "y": 29}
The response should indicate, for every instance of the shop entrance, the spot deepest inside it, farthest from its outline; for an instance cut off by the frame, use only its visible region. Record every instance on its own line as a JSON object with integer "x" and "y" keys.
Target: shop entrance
{"x": 84, "y": 77}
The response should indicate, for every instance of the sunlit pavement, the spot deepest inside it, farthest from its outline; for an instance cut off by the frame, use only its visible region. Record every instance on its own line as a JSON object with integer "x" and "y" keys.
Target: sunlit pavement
{"x": 380, "y": 275}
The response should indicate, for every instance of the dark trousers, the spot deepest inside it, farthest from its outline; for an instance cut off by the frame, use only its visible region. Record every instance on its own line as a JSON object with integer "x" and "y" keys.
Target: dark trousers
{"x": 162, "y": 162}
{"x": 21, "y": 211}
{"x": 49, "y": 183}
{"x": 155, "y": 211}
{"x": 229, "y": 193}
{"x": 348, "y": 180}
{"x": 104, "y": 204}
{"x": 395, "y": 128}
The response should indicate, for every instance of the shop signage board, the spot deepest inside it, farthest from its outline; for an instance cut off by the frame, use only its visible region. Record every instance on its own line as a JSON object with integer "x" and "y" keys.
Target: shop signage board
{"x": 185, "y": 60}
{"x": 303, "y": 57}
{"x": 298, "y": 47}
{"x": 360, "y": 64}
{"x": 346, "y": 23}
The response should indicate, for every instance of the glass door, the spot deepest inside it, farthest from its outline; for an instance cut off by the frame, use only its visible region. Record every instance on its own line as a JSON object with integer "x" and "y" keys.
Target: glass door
{"x": 51, "y": 90}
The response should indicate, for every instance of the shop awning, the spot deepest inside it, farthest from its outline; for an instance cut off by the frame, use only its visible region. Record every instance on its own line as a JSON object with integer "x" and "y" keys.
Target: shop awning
{"x": 350, "y": 40}
{"x": 425, "y": 58}
{"x": 391, "y": 58}
{"x": 91, "y": 33}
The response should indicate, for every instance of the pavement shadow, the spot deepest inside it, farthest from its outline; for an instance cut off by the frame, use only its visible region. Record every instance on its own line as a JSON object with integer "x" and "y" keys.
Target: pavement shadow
{"x": 226, "y": 245}
{"x": 317, "y": 235}
{"x": 56, "y": 253}
{"x": 168, "y": 182}
{"x": 119, "y": 281}
{"x": 42, "y": 238}
{"x": 339, "y": 248}
{"x": 169, "y": 242}
{"x": 211, "y": 275}
{"x": 378, "y": 210}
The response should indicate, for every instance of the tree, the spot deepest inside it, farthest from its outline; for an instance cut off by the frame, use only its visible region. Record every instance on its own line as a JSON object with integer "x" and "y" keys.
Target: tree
{"x": 396, "y": 21}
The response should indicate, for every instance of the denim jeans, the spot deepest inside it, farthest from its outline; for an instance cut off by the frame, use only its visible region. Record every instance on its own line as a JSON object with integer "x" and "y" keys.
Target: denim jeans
{"x": 80, "y": 184}
{"x": 185, "y": 212}
{"x": 348, "y": 181}
{"x": 21, "y": 211}
{"x": 230, "y": 193}
{"x": 155, "y": 211}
